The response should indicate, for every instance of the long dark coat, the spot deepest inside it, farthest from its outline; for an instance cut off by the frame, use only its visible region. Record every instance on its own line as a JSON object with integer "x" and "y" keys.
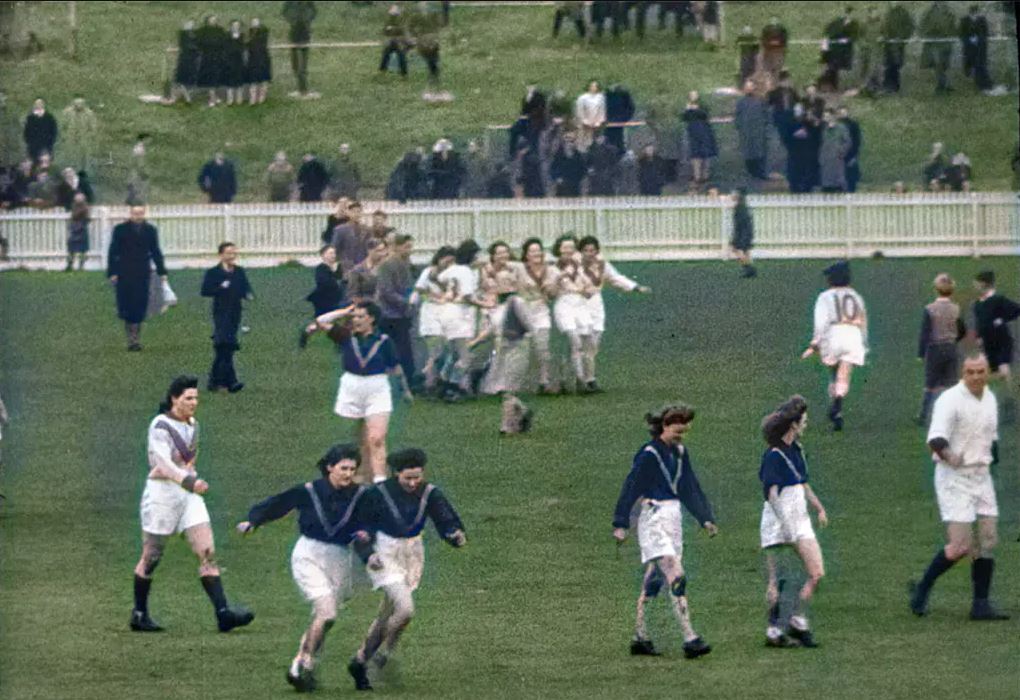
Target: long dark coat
{"x": 133, "y": 250}
{"x": 445, "y": 175}
{"x": 234, "y": 71}
{"x": 700, "y": 135}
{"x": 40, "y": 134}
{"x": 752, "y": 121}
{"x": 187, "y": 58}
{"x": 211, "y": 46}
{"x": 260, "y": 66}
{"x": 226, "y": 305}
{"x": 218, "y": 181}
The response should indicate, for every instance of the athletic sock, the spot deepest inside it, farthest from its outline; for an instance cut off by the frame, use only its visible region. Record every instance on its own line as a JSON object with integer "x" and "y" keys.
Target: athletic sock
{"x": 214, "y": 589}
{"x": 981, "y": 576}
{"x": 929, "y": 399}
{"x": 837, "y": 407}
{"x": 774, "y": 614}
{"x": 142, "y": 586}
{"x": 939, "y": 565}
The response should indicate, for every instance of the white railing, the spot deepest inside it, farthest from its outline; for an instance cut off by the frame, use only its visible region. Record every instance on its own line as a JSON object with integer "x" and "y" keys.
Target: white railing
{"x": 630, "y": 228}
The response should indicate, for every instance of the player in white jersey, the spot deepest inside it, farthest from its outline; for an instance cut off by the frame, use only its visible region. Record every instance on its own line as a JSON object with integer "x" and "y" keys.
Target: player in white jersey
{"x": 840, "y": 336}
{"x": 459, "y": 315}
{"x": 432, "y": 296}
{"x": 172, "y": 504}
{"x": 571, "y": 310}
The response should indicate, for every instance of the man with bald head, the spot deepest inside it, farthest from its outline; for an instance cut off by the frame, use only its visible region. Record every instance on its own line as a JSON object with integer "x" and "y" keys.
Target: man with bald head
{"x": 963, "y": 440}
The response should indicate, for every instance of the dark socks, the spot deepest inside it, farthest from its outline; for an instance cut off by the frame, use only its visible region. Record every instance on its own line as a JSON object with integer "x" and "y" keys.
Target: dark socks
{"x": 939, "y": 565}
{"x": 926, "y": 403}
{"x": 837, "y": 407}
{"x": 981, "y": 576}
{"x": 142, "y": 586}
{"x": 214, "y": 589}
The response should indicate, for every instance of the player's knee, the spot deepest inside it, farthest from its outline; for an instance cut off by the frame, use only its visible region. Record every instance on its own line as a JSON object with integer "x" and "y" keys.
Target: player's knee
{"x": 958, "y": 550}
{"x": 375, "y": 440}
{"x": 679, "y": 587}
{"x": 149, "y": 561}
{"x": 987, "y": 543}
{"x": 325, "y": 610}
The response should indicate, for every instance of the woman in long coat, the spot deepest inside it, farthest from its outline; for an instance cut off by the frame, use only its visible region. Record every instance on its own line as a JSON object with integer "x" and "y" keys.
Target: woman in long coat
{"x": 234, "y": 72}
{"x": 260, "y": 67}
{"x": 211, "y": 39}
{"x": 701, "y": 144}
{"x": 186, "y": 75}
{"x": 134, "y": 247}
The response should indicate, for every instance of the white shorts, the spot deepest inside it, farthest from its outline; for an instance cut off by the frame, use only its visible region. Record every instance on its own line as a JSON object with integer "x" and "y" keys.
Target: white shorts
{"x": 660, "y": 530}
{"x": 361, "y": 396}
{"x": 169, "y": 509}
{"x": 572, "y": 314}
{"x": 403, "y": 560}
{"x": 457, "y": 321}
{"x": 793, "y": 505}
{"x": 428, "y": 320}
{"x": 844, "y": 343}
{"x": 966, "y": 494}
{"x": 597, "y": 312}
{"x": 322, "y": 570}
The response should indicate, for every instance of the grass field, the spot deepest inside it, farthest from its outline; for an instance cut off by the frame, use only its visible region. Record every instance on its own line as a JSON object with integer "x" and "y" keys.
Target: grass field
{"x": 539, "y": 605}
{"x": 488, "y": 56}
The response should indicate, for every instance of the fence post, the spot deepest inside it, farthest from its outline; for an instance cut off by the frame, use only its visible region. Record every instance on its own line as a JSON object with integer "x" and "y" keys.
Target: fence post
{"x": 724, "y": 237}
{"x": 476, "y": 219}
{"x": 104, "y": 235}
{"x": 975, "y": 223}
{"x": 849, "y": 227}
{"x": 600, "y": 222}
{"x": 228, "y": 224}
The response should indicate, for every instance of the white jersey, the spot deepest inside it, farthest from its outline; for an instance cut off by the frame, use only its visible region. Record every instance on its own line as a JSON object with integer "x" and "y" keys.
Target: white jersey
{"x": 460, "y": 279}
{"x": 839, "y": 306}
{"x": 172, "y": 445}
{"x": 968, "y": 423}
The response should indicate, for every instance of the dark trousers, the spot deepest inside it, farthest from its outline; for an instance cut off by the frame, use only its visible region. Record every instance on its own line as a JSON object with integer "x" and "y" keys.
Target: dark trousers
{"x": 399, "y": 329}
{"x": 222, "y": 373}
{"x": 614, "y": 137}
{"x": 975, "y": 65}
{"x": 891, "y": 81}
{"x": 394, "y": 46}
{"x": 756, "y": 168}
{"x": 299, "y": 64}
{"x": 578, "y": 23}
{"x": 431, "y": 57}
{"x": 853, "y": 176}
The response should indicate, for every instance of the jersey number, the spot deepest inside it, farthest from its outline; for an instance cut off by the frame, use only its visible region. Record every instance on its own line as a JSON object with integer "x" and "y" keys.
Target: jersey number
{"x": 846, "y": 308}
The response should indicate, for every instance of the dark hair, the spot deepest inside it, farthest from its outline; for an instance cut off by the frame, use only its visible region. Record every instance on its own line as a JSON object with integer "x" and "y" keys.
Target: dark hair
{"x": 324, "y": 247}
{"x": 528, "y": 243}
{"x": 986, "y": 277}
{"x": 466, "y": 252}
{"x": 178, "y": 386}
{"x": 402, "y": 238}
{"x": 444, "y": 252}
{"x": 775, "y": 425}
{"x": 372, "y": 309}
{"x": 408, "y": 458}
{"x": 223, "y": 246}
{"x": 838, "y": 274}
{"x": 668, "y": 415}
{"x": 338, "y": 453}
{"x": 587, "y": 241}
{"x": 561, "y": 240}
{"x": 379, "y": 212}
{"x": 499, "y": 244}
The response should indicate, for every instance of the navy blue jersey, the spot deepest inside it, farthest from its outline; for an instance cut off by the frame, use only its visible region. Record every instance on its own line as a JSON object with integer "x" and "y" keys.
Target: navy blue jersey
{"x": 325, "y": 513}
{"x": 660, "y": 473}
{"x": 782, "y": 466}
{"x": 400, "y": 514}
{"x": 991, "y": 317}
{"x": 368, "y": 355}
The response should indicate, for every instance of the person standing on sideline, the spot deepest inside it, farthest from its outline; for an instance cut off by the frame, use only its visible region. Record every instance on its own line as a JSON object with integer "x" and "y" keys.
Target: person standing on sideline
{"x": 395, "y": 31}
{"x": 743, "y": 233}
{"x": 80, "y": 135}
{"x": 78, "y": 232}
{"x": 832, "y": 155}
{"x": 896, "y": 30}
{"x": 393, "y": 288}
{"x": 662, "y": 477}
{"x": 785, "y": 520}
{"x": 259, "y": 66}
{"x": 188, "y": 56}
{"x": 840, "y": 335}
{"x": 172, "y": 504}
{"x": 40, "y": 131}
{"x": 853, "y": 156}
{"x": 399, "y": 507}
{"x": 938, "y": 23}
{"x": 364, "y": 395}
{"x": 963, "y": 440}
{"x": 280, "y": 179}
{"x": 992, "y": 313}
{"x": 328, "y": 295}
{"x": 752, "y": 122}
{"x": 701, "y": 143}
{"x": 331, "y": 511}
{"x": 774, "y": 38}
{"x": 589, "y": 115}
{"x": 217, "y": 180}
{"x": 134, "y": 248}
{"x": 228, "y": 286}
{"x": 299, "y": 14}
{"x": 974, "y": 37}
{"x": 941, "y": 329}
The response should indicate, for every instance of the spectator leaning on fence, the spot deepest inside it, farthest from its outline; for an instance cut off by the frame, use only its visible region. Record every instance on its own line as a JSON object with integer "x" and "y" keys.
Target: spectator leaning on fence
{"x": 40, "y": 131}
{"x": 280, "y": 178}
{"x": 590, "y": 115}
{"x": 80, "y": 132}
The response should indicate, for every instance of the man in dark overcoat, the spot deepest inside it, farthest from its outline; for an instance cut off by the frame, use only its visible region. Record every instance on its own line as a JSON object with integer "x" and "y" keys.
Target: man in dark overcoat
{"x": 217, "y": 179}
{"x": 974, "y": 36}
{"x": 227, "y": 284}
{"x": 896, "y": 31}
{"x": 134, "y": 248}
{"x": 752, "y": 122}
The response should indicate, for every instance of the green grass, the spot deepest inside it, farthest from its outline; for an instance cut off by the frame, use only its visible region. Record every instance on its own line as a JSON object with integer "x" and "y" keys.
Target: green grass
{"x": 539, "y": 604}
{"x": 488, "y": 55}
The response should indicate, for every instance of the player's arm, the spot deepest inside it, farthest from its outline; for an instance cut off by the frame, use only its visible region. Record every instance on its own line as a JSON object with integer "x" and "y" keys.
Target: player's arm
{"x": 330, "y": 316}
{"x": 939, "y": 433}
{"x": 632, "y": 488}
{"x": 274, "y": 508}
{"x": 163, "y": 467}
{"x": 812, "y": 498}
{"x": 925, "y": 337}
{"x": 693, "y": 496}
{"x": 1009, "y": 310}
{"x": 822, "y": 321}
{"x": 616, "y": 279}
{"x": 445, "y": 519}
{"x": 212, "y": 283}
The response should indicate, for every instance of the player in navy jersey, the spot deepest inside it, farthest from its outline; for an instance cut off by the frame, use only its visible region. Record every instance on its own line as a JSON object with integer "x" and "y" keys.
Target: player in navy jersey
{"x": 785, "y": 520}
{"x": 330, "y": 515}
{"x": 662, "y": 477}
{"x": 398, "y": 509}
{"x": 365, "y": 395}
{"x": 992, "y": 314}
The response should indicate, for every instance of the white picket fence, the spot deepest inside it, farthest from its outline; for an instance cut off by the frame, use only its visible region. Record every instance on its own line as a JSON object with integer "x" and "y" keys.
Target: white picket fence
{"x": 630, "y": 228}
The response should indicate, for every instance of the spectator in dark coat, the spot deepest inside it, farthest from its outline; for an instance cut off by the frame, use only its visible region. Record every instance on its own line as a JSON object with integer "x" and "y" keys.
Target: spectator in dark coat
{"x": 501, "y": 184}
{"x": 228, "y": 286}
{"x": 259, "y": 67}
{"x": 935, "y": 166}
{"x": 528, "y": 166}
{"x": 619, "y": 108}
{"x": 407, "y": 181}
{"x": 813, "y": 103}
{"x": 312, "y": 178}
{"x": 217, "y": 179}
{"x": 781, "y": 100}
{"x": 743, "y": 233}
{"x": 752, "y": 122}
{"x": 345, "y": 176}
{"x": 568, "y": 170}
{"x": 701, "y": 143}
{"x": 134, "y": 248}
{"x": 958, "y": 175}
{"x": 747, "y": 46}
{"x": 328, "y": 295}
{"x": 840, "y": 36}
{"x": 832, "y": 156}
{"x": 853, "y": 165}
{"x": 627, "y": 181}
{"x": 71, "y": 185}
{"x": 651, "y": 172}
{"x": 897, "y": 29}
{"x": 40, "y": 131}
{"x": 938, "y": 22}
{"x": 234, "y": 70}
{"x": 78, "y": 232}
{"x": 974, "y": 37}
{"x": 299, "y": 14}
{"x": 602, "y": 171}
{"x": 802, "y": 141}
{"x": 186, "y": 74}
{"x": 533, "y": 106}
{"x": 446, "y": 171}
{"x": 212, "y": 43}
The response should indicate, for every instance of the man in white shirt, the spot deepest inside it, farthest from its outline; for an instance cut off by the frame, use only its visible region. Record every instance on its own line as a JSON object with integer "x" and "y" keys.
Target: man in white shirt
{"x": 962, "y": 438}
{"x": 590, "y": 113}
